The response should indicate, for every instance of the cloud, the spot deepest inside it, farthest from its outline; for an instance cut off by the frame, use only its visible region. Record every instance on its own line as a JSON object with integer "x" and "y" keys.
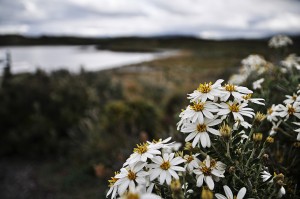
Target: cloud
{"x": 216, "y": 19}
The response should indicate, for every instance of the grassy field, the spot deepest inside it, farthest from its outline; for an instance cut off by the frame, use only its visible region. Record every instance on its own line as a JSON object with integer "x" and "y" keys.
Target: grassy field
{"x": 162, "y": 84}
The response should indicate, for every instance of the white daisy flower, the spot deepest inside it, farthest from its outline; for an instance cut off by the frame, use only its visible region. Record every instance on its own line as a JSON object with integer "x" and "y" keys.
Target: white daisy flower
{"x": 113, "y": 188}
{"x": 257, "y": 84}
{"x": 247, "y": 98}
{"x": 239, "y": 123}
{"x": 142, "y": 152}
{"x": 192, "y": 162}
{"x": 291, "y": 99}
{"x": 238, "y": 78}
{"x": 199, "y": 110}
{"x": 254, "y": 61}
{"x": 238, "y": 110}
{"x": 229, "y": 194}
{"x": 206, "y": 91}
{"x": 139, "y": 193}
{"x": 182, "y": 121}
{"x": 289, "y": 109}
{"x": 199, "y": 131}
{"x": 174, "y": 147}
{"x": 130, "y": 176}
{"x": 273, "y": 113}
{"x": 209, "y": 171}
{"x": 274, "y": 128}
{"x": 291, "y": 61}
{"x": 280, "y": 41}
{"x": 165, "y": 146}
{"x": 297, "y": 130}
{"x": 236, "y": 91}
{"x": 265, "y": 175}
{"x": 165, "y": 167}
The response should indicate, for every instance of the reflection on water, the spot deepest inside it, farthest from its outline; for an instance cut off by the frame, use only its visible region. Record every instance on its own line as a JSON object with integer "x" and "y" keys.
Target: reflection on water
{"x": 49, "y": 58}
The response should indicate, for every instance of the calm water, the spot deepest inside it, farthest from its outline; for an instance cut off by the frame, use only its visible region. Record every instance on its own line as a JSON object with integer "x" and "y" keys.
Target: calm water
{"x": 49, "y": 58}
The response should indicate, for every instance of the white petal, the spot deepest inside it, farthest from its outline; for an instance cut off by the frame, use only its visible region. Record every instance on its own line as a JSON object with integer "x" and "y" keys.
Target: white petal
{"x": 214, "y": 131}
{"x": 228, "y": 191}
{"x": 209, "y": 181}
{"x": 241, "y": 193}
{"x": 173, "y": 173}
{"x": 208, "y": 143}
{"x": 220, "y": 196}
{"x": 200, "y": 181}
{"x": 162, "y": 177}
{"x": 177, "y": 168}
{"x": 196, "y": 140}
{"x": 203, "y": 140}
{"x": 168, "y": 178}
{"x": 122, "y": 187}
{"x": 154, "y": 174}
{"x": 190, "y": 136}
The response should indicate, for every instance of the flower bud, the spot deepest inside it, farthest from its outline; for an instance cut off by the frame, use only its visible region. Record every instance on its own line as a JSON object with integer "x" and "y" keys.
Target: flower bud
{"x": 206, "y": 193}
{"x": 231, "y": 169}
{"x": 296, "y": 144}
{"x": 257, "y": 137}
{"x": 265, "y": 157}
{"x": 225, "y": 131}
{"x": 175, "y": 186}
{"x": 188, "y": 146}
{"x": 179, "y": 154}
{"x": 279, "y": 177}
{"x": 259, "y": 117}
{"x": 280, "y": 183}
{"x": 270, "y": 139}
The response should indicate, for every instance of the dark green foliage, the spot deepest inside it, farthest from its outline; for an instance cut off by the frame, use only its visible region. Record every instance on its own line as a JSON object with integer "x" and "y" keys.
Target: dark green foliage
{"x": 39, "y": 110}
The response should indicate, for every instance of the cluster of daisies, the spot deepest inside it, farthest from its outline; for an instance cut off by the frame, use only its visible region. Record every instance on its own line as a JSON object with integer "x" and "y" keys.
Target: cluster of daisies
{"x": 149, "y": 163}
{"x": 252, "y": 63}
{"x": 211, "y": 105}
{"x": 280, "y": 41}
{"x": 256, "y": 64}
{"x": 288, "y": 112}
{"x": 156, "y": 163}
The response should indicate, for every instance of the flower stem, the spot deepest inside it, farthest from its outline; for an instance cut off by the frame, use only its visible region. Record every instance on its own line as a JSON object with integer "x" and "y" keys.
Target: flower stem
{"x": 251, "y": 157}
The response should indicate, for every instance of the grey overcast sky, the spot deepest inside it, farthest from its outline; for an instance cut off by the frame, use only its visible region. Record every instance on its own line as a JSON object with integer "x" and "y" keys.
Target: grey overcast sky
{"x": 213, "y": 19}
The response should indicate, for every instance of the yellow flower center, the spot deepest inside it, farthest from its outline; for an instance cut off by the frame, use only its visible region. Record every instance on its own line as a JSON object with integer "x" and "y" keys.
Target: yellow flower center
{"x": 189, "y": 159}
{"x": 247, "y": 97}
{"x": 201, "y": 128}
{"x": 165, "y": 165}
{"x": 270, "y": 111}
{"x": 206, "y": 171}
{"x": 291, "y": 110}
{"x": 234, "y": 107}
{"x": 131, "y": 175}
{"x": 198, "y": 106}
{"x": 294, "y": 97}
{"x": 204, "y": 88}
{"x": 132, "y": 196}
{"x": 213, "y": 163}
{"x": 141, "y": 148}
{"x": 229, "y": 87}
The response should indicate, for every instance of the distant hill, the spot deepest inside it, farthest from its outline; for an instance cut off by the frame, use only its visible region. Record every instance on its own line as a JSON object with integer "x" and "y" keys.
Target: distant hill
{"x": 132, "y": 44}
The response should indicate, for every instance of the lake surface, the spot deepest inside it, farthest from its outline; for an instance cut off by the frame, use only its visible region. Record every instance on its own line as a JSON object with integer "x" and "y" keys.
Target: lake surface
{"x": 73, "y": 58}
